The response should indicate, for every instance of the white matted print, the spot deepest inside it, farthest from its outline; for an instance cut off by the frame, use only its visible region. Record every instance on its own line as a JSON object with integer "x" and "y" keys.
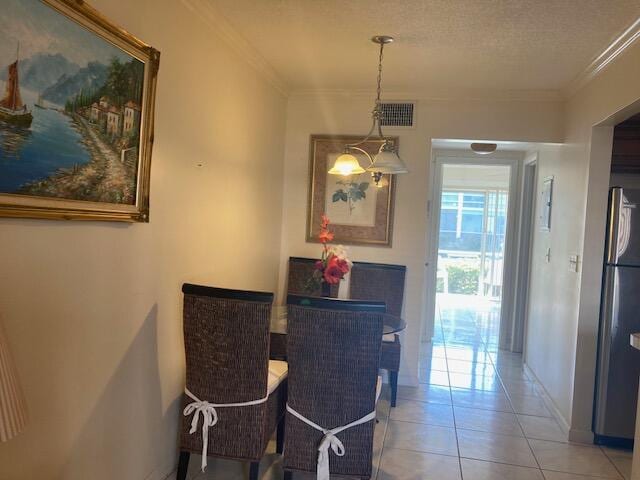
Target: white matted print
{"x": 351, "y": 200}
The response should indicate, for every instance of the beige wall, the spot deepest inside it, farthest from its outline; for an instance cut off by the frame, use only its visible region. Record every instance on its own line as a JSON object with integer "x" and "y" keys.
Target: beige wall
{"x": 93, "y": 310}
{"x": 561, "y": 302}
{"x": 553, "y": 289}
{"x": 306, "y": 115}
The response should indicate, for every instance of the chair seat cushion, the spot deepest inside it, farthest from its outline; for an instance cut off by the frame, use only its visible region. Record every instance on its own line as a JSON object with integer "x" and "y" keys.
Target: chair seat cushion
{"x": 278, "y": 371}
{"x": 390, "y": 357}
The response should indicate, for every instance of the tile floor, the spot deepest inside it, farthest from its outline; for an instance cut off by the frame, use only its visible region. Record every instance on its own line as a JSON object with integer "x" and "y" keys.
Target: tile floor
{"x": 475, "y": 415}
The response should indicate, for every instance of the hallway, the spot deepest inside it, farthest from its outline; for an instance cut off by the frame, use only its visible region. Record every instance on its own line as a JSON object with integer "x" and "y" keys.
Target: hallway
{"x": 476, "y": 415}
{"x": 466, "y": 320}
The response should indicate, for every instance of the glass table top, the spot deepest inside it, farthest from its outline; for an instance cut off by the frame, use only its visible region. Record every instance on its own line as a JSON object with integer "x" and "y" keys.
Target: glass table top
{"x": 392, "y": 324}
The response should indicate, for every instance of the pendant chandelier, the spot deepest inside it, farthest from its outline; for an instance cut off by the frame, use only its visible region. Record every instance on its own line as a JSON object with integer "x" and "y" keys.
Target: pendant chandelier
{"x": 386, "y": 160}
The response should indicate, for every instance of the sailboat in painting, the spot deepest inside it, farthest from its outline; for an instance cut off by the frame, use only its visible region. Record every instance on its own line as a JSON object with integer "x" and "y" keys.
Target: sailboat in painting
{"x": 12, "y": 110}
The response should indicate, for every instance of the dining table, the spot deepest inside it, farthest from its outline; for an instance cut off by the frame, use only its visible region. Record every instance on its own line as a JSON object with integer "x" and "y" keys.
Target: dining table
{"x": 278, "y": 329}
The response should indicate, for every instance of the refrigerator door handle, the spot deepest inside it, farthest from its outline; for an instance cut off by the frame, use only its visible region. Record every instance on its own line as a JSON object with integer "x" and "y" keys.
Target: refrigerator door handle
{"x": 608, "y": 323}
{"x": 614, "y": 224}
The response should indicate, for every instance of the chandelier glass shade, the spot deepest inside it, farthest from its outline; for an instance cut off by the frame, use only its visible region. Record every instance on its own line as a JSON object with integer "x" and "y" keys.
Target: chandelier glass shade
{"x": 387, "y": 161}
{"x": 345, "y": 165}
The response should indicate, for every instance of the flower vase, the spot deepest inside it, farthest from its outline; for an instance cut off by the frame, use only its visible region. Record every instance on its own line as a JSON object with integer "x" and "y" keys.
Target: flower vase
{"x": 326, "y": 290}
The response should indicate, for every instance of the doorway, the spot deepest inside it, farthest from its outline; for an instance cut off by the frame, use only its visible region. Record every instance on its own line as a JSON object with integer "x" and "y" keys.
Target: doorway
{"x": 529, "y": 195}
{"x": 471, "y": 274}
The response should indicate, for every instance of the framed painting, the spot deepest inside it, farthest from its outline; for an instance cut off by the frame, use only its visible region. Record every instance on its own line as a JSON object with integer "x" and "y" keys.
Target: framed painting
{"x": 361, "y": 213}
{"x": 76, "y": 114}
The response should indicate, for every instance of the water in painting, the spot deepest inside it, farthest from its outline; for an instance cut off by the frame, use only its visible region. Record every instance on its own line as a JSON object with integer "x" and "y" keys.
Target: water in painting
{"x": 70, "y": 110}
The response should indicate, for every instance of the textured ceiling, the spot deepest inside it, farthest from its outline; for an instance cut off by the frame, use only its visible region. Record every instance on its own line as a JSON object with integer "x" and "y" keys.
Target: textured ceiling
{"x": 441, "y": 45}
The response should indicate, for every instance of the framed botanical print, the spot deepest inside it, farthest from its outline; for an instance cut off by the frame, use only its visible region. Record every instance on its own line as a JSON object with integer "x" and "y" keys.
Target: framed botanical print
{"x": 76, "y": 114}
{"x": 361, "y": 213}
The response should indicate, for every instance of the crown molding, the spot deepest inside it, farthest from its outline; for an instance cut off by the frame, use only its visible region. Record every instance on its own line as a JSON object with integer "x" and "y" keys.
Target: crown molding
{"x": 437, "y": 94}
{"x": 621, "y": 43}
{"x": 221, "y": 26}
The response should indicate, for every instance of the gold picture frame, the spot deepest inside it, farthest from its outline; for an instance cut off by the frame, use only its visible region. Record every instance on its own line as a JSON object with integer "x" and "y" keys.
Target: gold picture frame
{"x": 130, "y": 142}
{"x": 360, "y": 214}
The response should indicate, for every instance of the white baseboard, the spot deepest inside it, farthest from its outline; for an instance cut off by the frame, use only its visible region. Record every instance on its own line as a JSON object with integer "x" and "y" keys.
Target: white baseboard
{"x": 550, "y": 404}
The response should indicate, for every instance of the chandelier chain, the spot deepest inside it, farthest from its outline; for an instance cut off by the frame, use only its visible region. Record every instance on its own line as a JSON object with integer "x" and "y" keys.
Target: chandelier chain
{"x": 379, "y": 90}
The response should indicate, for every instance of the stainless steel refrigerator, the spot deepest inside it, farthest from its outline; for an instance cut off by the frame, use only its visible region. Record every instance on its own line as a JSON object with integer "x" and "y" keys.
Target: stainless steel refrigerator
{"x": 618, "y": 366}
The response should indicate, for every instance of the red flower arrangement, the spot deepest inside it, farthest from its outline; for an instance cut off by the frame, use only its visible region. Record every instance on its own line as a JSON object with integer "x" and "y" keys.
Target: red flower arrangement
{"x": 333, "y": 265}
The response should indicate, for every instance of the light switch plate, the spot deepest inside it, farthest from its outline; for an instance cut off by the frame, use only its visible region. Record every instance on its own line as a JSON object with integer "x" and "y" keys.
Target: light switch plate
{"x": 574, "y": 260}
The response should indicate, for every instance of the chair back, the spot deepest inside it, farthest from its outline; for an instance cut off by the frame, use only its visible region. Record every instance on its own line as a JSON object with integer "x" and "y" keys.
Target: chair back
{"x": 300, "y": 271}
{"x": 226, "y": 341}
{"x": 333, "y": 349}
{"x": 378, "y": 281}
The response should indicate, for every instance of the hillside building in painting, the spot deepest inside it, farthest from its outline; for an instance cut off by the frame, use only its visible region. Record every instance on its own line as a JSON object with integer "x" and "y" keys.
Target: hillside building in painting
{"x": 114, "y": 121}
{"x": 118, "y": 123}
{"x": 97, "y": 114}
{"x": 131, "y": 118}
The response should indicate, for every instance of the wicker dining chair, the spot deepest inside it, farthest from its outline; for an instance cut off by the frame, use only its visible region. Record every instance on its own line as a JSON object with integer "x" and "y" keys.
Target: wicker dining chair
{"x": 300, "y": 270}
{"x": 226, "y": 337}
{"x": 333, "y": 353}
{"x": 375, "y": 281}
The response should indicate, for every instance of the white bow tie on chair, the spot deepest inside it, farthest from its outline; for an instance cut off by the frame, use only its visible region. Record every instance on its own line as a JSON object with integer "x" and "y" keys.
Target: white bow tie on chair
{"x": 329, "y": 440}
{"x": 209, "y": 417}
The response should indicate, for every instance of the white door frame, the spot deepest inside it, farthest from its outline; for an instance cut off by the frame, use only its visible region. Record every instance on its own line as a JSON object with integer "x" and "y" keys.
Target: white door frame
{"x": 525, "y": 247}
{"x": 462, "y": 157}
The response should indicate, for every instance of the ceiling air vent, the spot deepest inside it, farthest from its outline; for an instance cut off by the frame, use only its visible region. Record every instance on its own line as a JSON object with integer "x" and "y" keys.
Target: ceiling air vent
{"x": 397, "y": 114}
